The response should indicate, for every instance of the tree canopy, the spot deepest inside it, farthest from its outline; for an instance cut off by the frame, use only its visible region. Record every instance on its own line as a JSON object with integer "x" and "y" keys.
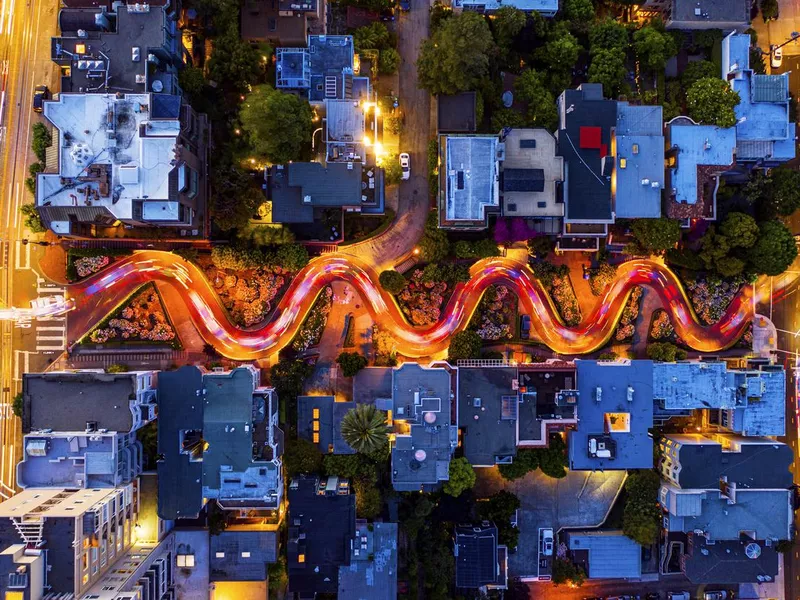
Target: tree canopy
{"x": 608, "y": 35}
{"x": 507, "y": 22}
{"x": 499, "y": 508}
{"x": 278, "y": 125}
{"x": 608, "y": 67}
{"x": 374, "y": 36}
{"x": 462, "y": 477}
{"x": 777, "y": 193}
{"x": 388, "y": 61}
{"x": 292, "y": 257}
{"x": 287, "y": 377}
{"x": 463, "y": 345}
{"x": 712, "y": 101}
{"x": 392, "y": 281}
{"x": 564, "y": 571}
{"x": 301, "y": 456}
{"x": 364, "y": 428}
{"x": 579, "y": 11}
{"x": 351, "y": 363}
{"x": 665, "y": 352}
{"x": 456, "y": 57}
{"x": 653, "y": 47}
{"x": 641, "y": 520}
{"x": 697, "y": 70}
{"x": 434, "y": 245}
{"x": 234, "y": 62}
{"x": 656, "y": 235}
{"x": 561, "y": 51}
{"x": 775, "y": 249}
{"x": 530, "y": 87}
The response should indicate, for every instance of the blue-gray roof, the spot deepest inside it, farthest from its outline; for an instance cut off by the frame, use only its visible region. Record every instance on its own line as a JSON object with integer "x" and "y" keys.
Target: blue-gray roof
{"x": 615, "y": 408}
{"x": 298, "y": 187}
{"x": 326, "y": 422}
{"x": 761, "y": 403}
{"x": 242, "y": 555}
{"x": 546, "y": 8}
{"x": 698, "y": 145}
{"x": 470, "y": 175}
{"x": 476, "y": 556}
{"x": 639, "y": 161}
{"x": 372, "y": 572}
{"x": 611, "y": 554}
{"x": 323, "y": 69}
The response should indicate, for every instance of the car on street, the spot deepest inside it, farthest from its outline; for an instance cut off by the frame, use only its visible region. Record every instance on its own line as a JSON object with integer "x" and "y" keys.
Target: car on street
{"x": 775, "y": 57}
{"x": 716, "y": 595}
{"x": 405, "y": 5}
{"x": 653, "y": 596}
{"x": 524, "y": 326}
{"x": 40, "y": 94}
{"x": 547, "y": 542}
{"x": 678, "y": 596}
{"x": 405, "y": 165}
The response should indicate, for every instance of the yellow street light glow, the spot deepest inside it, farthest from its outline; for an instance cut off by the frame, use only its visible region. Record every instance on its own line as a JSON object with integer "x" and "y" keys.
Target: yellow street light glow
{"x": 378, "y": 149}
{"x": 377, "y": 110}
{"x": 367, "y": 141}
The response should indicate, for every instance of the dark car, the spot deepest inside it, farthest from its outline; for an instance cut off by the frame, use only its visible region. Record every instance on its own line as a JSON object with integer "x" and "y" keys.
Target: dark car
{"x": 40, "y": 94}
{"x": 524, "y": 326}
{"x": 405, "y": 5}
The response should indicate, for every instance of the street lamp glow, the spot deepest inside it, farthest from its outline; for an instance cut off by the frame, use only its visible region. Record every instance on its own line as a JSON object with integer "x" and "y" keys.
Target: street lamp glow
{"x": 367, "y": 141}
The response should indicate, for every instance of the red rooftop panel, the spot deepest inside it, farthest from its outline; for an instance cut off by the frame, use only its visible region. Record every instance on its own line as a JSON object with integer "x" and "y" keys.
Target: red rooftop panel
{"x": 590, "y": 137}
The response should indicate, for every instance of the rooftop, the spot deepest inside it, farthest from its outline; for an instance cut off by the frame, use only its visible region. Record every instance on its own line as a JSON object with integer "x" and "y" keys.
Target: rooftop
{"x": 530, "y": 174}
{"x": 242, "y": 555}
{"x": 710, "y": 13}
{"x": 55, "y": 503}
{"x": 615, "y": 411}
{"x": 297, "y": 188}
{"x": 608, "y": 554}
{"x": 68, "y": 400}
{"x": 345, "y": 130}
{"x": 729, "y": 563}
{"x": 372, "y": 383}
{"x": 117, "y": 154}
{"x": 487, "y": 414}
{"x": 584, "y": 140}
{"x": 690, "y": 385}
{"x": 546, "y": 8}
{"x": 372, "y": 572}
{"x": 325, "y": 68}
{"x": 477, "y": 557}
{"x": 639, "y": 161}
{"x": 319, "y": 421}
{"x": 321, "y": 527}
{"x": 456, "y": 113}
{"x": 469, "y": 179}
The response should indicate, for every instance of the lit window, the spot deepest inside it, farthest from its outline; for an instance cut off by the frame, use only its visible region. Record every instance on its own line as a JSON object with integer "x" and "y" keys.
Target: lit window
{"x": 301, "y": 558}
{"x": 316, "y": 438}
{"x": 245, "y": 555}
{"x": 623, "y": 162}
{"x": 85, "y": 579}
{"x": 220, "y": 555}
{"x": 636, "y": 148}
{"x": 80, "y": 48}
{"x": 315, "y": 426}
{"x": 316, "y": 413}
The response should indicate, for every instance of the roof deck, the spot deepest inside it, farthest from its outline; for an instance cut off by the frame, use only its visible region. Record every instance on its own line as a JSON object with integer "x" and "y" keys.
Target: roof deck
{"x": 469, "y": 179}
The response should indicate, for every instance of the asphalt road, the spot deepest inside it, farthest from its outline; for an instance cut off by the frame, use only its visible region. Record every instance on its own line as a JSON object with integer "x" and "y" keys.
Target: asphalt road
{"x": 25, "y": 30}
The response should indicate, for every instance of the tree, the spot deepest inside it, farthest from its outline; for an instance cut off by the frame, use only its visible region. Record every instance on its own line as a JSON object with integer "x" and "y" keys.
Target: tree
{"x": 564, "y": 571}
{"x": 540, "y": 246}
{"x": 579, "y": 11}
{"x": 374, "y": 36}
{"x": 530, "y": 88}
{"x": 769, "y": 10}
{"x": 665, "y": 352}
{"x": 656, "y": 235}
{"x": 712, "y": 101}
{"x": 462, "y": 477}
{"x": 32, "y": 219}
{"x": 17, "y": 404}
{"x": 234, "y": 199}
{"x": 287, "y": 377}
{"x": 483, "y": 248}
{"x": 778, "y": 193}
{"x": 351, "y": 363}
{"x": 392, "y": 281}
{"x": 301, "y": 456}
{"x": 192, "y": 80}
{"x": 774, "y": 250}
{"x": 524, "y": 462}
{"x": 216, "y": 519}
{"x": 388, "y": 61}
{"x": 369, "y": 502}
{"x": 117, "y": 368}
{"x": 499, "y": 508}
{"x": 642, "y": 514}
{"x": 741, "y": 230}
{"x": 434, "y": 245}
{"x": 561, "y": 51}
{"x": 278, "y": 125}
{"x": 364, "y": 427}
{"x": 697, "y": 70}
{"x": 506, "y": 117}
{"x": 456, "y": 56}
{"x": 653, "y": 47}
{"x": 234, "y": 62}
{"x": 268, "y": 235}
{"x": 292, "y": 257}
{"x": 392, "y": 170}
{"x": 608, "y": 35}
{"x": 553, "y": 459}
{"x": 40, "y": 140}
{"x": 464, "y": 345}
{"x": 507, "y": 22}
{"x": 757, "y": 63}
{"x": 608, "y": 67}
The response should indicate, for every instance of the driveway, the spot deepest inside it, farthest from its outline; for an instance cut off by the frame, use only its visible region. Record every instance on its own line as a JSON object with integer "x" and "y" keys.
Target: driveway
{"x": 579, "y": 500}
{"x": 386, "y": 250}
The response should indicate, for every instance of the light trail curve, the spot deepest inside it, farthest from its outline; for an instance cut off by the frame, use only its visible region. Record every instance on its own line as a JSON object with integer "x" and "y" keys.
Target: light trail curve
{"x": 211, "y": 318}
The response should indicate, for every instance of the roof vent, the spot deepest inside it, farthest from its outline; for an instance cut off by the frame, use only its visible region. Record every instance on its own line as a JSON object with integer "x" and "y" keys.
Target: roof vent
{"x": 752, "y": 550}
{"x": 420, "y": 455}
{"x": 429, "y": 417}
{"x": 306, "y": 199}
{"x": 476, "y": 402}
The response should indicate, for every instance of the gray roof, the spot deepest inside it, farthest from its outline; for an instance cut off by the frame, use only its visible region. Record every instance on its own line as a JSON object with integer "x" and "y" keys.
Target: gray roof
{"x": 329, "y": 422}
{"x": 610, "y": 554}
{"x": 456, "y": 113}
{"x": 297, "y": 188}
{"x": 615, "y": 403}
{"x": 758, "y": 464}
{"x": 372, "y": 572}
{"x": 487, "y": 413}
{"x": 470, "y": 177}
{"x": 372, "y": 383}
{"x": 692, "y": 385}
{"x": 760, "y": 403}
{"x": 727, "y": 563}
{"x": 476, "y": 556}
{"x": 712, "y": 13}
{"x": 242, "y": 555}
{"x": 639, "y": 161}
{"x": 66, "y": 401}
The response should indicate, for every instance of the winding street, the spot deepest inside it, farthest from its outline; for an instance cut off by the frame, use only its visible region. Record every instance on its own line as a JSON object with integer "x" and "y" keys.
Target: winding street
{"x": 211, "y": 319}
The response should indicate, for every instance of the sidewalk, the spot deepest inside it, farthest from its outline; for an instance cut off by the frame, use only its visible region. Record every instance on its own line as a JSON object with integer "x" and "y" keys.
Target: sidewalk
{"x": 53, "y": 264}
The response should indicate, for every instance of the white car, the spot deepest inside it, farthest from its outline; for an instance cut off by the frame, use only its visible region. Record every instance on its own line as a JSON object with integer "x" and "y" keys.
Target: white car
{"x": 405, "y": 165}
{"x": 776, "y": 57}
{"x": 547, "y": 542}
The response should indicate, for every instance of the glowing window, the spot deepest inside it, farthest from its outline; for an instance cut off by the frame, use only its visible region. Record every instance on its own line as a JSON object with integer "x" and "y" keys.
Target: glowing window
{"x": 316, "y": 438}
{"x": 316, "y": 426}
{"x": 316, "y": 413}
{"x": 623, "y": 162}
{"x": 80, "y": 48}
{"x": 301, "y": 558}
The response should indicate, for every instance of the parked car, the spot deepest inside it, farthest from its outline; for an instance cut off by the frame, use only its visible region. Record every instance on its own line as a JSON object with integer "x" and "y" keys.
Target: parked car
{"x": 405, "y": 165}
{"x": 716, "y": 595}
{"x": 775, "y": 56}
{"x": 40, "y": 94}
{"x": 653, "y": 596}
{"x": 547, "y": 542}
{"x": 678, "y": 596}
{"x": 405, "y": 5}
{"x": 524, "y": 326}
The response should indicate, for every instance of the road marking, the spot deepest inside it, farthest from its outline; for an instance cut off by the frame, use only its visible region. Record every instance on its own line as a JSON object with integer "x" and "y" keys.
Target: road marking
{"x": 18, "y": 256}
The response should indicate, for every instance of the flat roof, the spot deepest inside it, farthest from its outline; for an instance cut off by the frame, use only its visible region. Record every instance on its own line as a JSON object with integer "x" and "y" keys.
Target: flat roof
{"x": 326, "y": 422}
{"x": 65, "y": 503}
{"x": 476, "y": 556}
{"x": 693, "y": 385}
{"x": 616, "y": 404}
{"x": 242, "y": 555}
{"x": 116, "y": 153}
{"x": 471, "y": 177}
{"x": 372, "y": 383}
{"x": 487, "y": 413}
{"x": 711, "y": 13}
{"x": 528, "y": 150}
{"x": 456, "y": 113}
{"x": 610, "y": 553}
{"x": 72, "y": 460}
{"x": 372, "y": 572}
{"x": 697, "y": 146}
{"x": 639, "y": 138}
{"x": 545, "y": 7}
{"x": 728, "y": 562}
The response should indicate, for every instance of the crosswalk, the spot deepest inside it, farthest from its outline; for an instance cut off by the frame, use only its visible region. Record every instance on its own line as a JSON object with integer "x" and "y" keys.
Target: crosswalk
{"x": 51, "y": 332}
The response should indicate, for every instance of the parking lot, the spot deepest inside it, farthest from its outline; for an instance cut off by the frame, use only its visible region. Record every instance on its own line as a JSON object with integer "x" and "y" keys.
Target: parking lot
{"x": 581, "y": 499}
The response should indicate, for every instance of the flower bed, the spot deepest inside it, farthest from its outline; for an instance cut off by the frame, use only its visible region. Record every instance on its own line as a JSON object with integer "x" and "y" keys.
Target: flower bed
{"x": 601, "y": 277}
{"x": 496, "y": 314}
{"x": 140, "y": 318}
{"x": 88, "y": 265}
{"x": 248, "y": 295}
{"x": 420, "y": 301}
{"x": 384, "y": 345}
{"x": 661, "y": 329}
{"x": 311, "y": 330}
{"x": 627, "y": 322}
{"x": 83, "y": 262}
{"x": 555, "y": 280}
{"x": 711, "y": 297}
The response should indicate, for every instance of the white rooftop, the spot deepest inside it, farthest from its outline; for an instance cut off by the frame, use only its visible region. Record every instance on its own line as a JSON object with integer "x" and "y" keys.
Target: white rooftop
{"x": 110, "y": 153}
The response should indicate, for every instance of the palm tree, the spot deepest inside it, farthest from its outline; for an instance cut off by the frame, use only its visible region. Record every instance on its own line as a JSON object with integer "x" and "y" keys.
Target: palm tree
{"x": 364, "y": 428}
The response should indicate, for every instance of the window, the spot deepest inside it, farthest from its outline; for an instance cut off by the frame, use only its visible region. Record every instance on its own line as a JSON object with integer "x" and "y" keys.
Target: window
{"x": 194, "y": 183}
{"x": 245, "y": 555}
{"x": 636, "y": 148}
{"x": 623, "y": 162}
{"x": 301, "y": 558}
{"x": 220, "y": 554}
{"x": 316, "y": 426}
{"x": 185, "y": 560}
{"x": 108, "y": 588}
{"x": 316, "y": 438}
{"x": 316, "y": 413}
